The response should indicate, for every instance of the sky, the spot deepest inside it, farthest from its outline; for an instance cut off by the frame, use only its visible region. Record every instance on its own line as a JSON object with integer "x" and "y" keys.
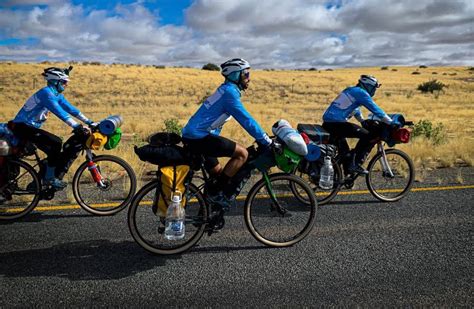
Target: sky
{"x": 285, "y": 34}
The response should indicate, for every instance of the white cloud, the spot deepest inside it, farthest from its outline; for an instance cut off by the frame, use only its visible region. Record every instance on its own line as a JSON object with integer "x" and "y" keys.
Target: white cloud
{"x": 269, "y": 33}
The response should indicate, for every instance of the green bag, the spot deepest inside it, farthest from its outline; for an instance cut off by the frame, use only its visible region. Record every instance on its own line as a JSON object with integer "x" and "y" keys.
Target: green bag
{"x": 113, "y": 139}
{"x": 287, "y": 160}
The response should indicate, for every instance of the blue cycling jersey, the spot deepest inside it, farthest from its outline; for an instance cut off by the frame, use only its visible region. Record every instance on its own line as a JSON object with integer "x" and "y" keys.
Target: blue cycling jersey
{"x": 219, "y": 108}
{"x": 36, "y": 109}
{"x": 348, "y": 103}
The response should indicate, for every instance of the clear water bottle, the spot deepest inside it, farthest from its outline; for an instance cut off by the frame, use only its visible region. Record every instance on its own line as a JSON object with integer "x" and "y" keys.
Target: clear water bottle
{"x": 327, "y": 174}
{"x": 174, "y": 225}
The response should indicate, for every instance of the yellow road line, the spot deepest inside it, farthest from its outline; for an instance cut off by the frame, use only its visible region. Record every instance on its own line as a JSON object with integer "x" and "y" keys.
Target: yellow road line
{"x": 64, "y": 207}
{"x": 411, "y": 190}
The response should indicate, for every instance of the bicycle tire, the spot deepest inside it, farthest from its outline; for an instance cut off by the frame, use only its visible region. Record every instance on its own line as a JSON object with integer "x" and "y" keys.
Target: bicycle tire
{"x": 9, "y": 210}
{"x": 257, "y": 217}
{"x": 407, "y": 177}
{"x": 146, "y": 235}
{"x": 322, "y": 196}
{"x": 101, "y": 201}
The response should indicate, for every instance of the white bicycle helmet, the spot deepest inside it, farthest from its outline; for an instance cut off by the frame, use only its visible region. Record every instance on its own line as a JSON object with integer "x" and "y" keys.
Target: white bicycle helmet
{"x": 234, "y": 65}
{"x": 369, "y": 80}
{"x": 52, "y": 74}
{"x": 369, "y": 83}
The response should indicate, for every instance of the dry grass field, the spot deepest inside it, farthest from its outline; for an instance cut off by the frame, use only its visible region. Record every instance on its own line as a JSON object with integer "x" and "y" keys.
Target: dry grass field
{"x": 146, "y": 96}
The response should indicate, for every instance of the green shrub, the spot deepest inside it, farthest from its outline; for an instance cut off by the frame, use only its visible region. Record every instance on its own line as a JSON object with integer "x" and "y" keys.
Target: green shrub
{"x": 172, "y": 126}
{"x": 423, "y": 67}
{"x": 435, "y": 133}
{"x": 384, "y": 68}
{"x": 431, "y": 86}
{"x": 415, "y": 73}
{"x": 211, "y": 67}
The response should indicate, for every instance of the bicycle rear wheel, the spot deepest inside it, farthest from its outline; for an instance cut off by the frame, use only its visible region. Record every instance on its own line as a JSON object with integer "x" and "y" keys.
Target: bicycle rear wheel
{"x": 147, "y": 228}
{"x": 267, "y": 224}
{"x": 323, "y": 196}
{"x": 119, "y": 186}
{"x": 20, "y": 188}
{"x": 386, "y": 186}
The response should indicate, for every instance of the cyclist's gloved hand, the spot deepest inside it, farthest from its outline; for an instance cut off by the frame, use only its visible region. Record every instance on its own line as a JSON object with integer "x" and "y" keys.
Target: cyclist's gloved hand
{"x": 93, "y": 125}
{"x": 81, "y": 130}
{"x": 264, "y": 147}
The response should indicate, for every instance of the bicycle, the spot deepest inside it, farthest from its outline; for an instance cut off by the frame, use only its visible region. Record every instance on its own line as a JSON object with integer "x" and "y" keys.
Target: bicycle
{"x": 105, "y": 190}
{"x": 391, "y": 171}
{"x": 272, "y": 215}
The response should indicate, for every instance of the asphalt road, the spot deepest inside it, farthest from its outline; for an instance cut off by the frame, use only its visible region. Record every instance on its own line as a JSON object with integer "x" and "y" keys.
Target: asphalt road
{"x": 418, "y": 251}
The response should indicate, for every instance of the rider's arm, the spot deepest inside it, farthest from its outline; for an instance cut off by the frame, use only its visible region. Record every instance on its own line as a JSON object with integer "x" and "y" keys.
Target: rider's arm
{"x": 72, "y": 110}
{"x": 358, "y": 115}
{"x": 52, "y": 103}
{"x": 235, "y": 108}
{"x": 367, "y": 101}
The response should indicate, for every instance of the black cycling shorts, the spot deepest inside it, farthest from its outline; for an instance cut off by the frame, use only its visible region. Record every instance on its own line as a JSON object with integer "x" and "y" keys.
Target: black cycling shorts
{"x": 212, "y": 147}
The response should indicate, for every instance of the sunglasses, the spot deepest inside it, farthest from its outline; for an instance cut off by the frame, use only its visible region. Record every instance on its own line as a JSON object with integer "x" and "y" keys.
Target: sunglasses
{"x": 246, "y": 74}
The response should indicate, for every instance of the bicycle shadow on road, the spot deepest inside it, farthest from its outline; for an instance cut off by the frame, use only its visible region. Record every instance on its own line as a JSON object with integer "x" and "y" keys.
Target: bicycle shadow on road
{"x": 83, "y": 260}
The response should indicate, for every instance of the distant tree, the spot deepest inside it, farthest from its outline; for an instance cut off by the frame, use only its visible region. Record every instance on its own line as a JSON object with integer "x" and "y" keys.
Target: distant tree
{"x": 423, "y": 67}
{"x": 384, "y": 68}
{"x": 312, "y": 69}
{"x": 211, "y": 67}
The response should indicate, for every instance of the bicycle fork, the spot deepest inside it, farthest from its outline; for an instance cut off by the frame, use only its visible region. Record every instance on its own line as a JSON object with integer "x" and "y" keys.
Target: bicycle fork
{"x": 276, "y": 205}
{"x": 94, "y": 170}
{"x": 386, "y": 170}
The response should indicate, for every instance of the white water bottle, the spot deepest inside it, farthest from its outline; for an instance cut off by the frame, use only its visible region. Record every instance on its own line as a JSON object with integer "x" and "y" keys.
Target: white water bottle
{"x": 174, "y": 225}
{"x": 327, "y": 174}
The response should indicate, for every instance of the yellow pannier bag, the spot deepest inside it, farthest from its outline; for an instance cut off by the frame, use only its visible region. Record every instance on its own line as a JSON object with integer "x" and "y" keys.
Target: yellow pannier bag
{"x": 172, "y": 179}
{"x": 96, "y": 141}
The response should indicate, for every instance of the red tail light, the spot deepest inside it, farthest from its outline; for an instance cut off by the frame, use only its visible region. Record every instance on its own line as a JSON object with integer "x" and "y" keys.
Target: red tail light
{"x": 401, "y": 135}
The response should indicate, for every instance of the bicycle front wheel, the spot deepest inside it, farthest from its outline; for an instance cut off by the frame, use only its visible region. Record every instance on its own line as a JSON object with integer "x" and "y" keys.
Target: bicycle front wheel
{"x": 147, "y": 227}
{"x": 323, "y": 196}
{"x": 110, "y": 197}
{"x": 20, "y": 189}
{"x": 275, "y": 216}
{"x": 390, "y": 181}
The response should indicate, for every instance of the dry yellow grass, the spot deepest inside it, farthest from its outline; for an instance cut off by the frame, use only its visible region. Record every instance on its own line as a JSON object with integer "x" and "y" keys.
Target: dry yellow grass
{"x": 146, "y": 96}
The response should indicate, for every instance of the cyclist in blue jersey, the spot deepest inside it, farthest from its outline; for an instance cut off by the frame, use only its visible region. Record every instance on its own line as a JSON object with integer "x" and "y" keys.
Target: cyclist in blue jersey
{"x": 35, "y": 112}
{"x": 346, "y": 105}
{"x": 201, "y": 133}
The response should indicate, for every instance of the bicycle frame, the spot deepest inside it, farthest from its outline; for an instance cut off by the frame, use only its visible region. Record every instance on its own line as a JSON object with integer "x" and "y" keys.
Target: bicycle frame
{"x": 92, "y": 167}
{"x": 281, "y": 210}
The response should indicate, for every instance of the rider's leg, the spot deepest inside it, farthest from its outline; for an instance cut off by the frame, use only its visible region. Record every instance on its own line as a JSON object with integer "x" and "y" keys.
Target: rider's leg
{"x": 213, "y": 147}
{"x": 361, "y": 150}
{"x": 348, "y": 129}
{"x": 71, "y": 149}
{"x": 239, "y": 157}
